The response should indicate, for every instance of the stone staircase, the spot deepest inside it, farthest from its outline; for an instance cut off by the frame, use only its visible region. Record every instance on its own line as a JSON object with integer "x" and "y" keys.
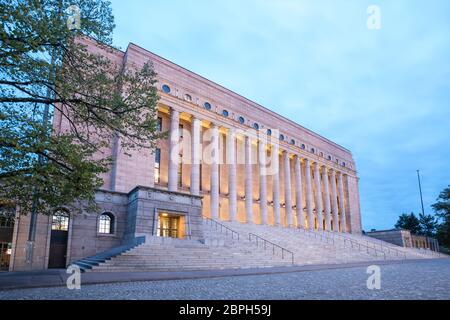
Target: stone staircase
{"x": 233, "y": 245}
{"x": 222, "y": 249}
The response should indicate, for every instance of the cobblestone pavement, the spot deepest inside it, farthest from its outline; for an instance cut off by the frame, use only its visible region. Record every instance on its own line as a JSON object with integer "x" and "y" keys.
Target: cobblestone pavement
{"x": 417, "y": 280}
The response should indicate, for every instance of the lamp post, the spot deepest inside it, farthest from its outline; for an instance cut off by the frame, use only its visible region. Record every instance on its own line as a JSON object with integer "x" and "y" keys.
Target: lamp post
{"x": 420, "y": 189}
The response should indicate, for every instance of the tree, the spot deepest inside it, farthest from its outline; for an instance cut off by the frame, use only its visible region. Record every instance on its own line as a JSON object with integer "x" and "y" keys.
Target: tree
{"x": 409, "y": 222}
{"x": 428, "y": 225}
{"x": 44, "y": 66}
{"x": 442, "y": 209}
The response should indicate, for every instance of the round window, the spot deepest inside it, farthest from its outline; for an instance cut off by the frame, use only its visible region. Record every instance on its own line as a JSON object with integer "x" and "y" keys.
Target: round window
{"x": 256, "y": 126}
{"x": 225, "y": 113}
{"x": 241, "y": 120}
{"x": 281, "y": 137}
{"x": 269, "y": 132}
{"x": 207, "y": 106}
{"x": 166, "y": 88}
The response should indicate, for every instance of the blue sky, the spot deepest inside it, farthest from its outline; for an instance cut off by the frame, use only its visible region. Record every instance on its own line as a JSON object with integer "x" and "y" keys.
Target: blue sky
{"x": 384, "y": 94}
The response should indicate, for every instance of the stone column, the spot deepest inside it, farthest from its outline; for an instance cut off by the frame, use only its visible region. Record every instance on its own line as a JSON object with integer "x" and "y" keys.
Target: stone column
{"x": 342, "y": 203}
{"x": 174, "y": 150}
{"x": 231, "y": 161}
{"x": 319, "y": 206}
{"x": 299, "y": 193}
{"x": 248, "y": 180}
{"x": 309, "y": 197}
{"x": 276, "y": 184}
{"x": 334, "y": 202}
{"x": 214, "y": 196}
{"x": 287, "y": 189}
{"x": 262, "y": 181}
{"x": 327, "y": 202}
{"x": 195, "y": 157}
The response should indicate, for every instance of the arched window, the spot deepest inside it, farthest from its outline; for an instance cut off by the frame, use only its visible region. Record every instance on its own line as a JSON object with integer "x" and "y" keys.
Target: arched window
{"x": 225, "y": 113}
{"x": 303, "y": 146}
{"x": 281, "y": 137}
{"x": 166, "y": 88}
{"x": 256, "y": 126}
{"x": 241, "y": 120}
{"x": 313, "y": 150}
{"x": 60, "y": 221}
{"x": 106, "y": 223}
{"x": 292, "y": 142}
{"x": 188, "y": 97}
{"x": 269, "y": 132}
{"x": 207, "y": 106}
{"x": 329, "y": 158}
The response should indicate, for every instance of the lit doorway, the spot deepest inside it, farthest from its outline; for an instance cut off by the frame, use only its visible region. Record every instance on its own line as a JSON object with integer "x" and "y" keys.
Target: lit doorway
{"x": 171, "y": 226}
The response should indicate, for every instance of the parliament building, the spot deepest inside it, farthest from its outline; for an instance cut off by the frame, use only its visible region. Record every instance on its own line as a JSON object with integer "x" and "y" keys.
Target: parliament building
{"x": 228, "y": 163}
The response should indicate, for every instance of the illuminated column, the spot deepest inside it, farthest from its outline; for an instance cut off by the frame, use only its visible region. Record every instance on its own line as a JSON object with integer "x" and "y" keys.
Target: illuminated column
{"x": 309, "y": 197}
{"x": 287, "y": 189}
{"x": 262, "y": 182}
{"x": 326, "y": 190}
{"x": 215, "y": 172}
{"x": 299, "y": 193}
{"x": 231, "y": 161}
{"x": 174, "y": 150}
{"x": 334, "y": 202}
{"x": 318, "y": 196}
{"x": 342, "y": 203}
{"x": 195, "y": 157}
{"x": 248, "y": 180}
{"x": 276, "y": 184}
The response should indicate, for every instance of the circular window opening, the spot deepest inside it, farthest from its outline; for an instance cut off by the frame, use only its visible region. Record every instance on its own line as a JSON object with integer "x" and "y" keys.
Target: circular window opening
{"x": 188, "y": 97}
{"x": 343, "y": 164}
{"x": 207, "y": 106}
{"x": 225, "y": 113}
{"x": 241, "y": 120}
{"x": 256, "y": 126}
{"x": 303, "y": 146}
{"x": 292, "y": 142}
{"x": 313, "y": 150}
{"x": 281, "y": 137}
{"x": 329, "y": 158}
{"x": 166, "y": 88}
{"x": 269, "y": 132}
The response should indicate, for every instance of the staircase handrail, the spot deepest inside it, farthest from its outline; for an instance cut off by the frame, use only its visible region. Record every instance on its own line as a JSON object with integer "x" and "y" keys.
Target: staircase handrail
{"x": 217, "y": 225}
{"x": 274, "y": 245}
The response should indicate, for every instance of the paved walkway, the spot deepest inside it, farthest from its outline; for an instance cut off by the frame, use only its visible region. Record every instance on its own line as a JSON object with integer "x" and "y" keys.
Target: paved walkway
{"x": 58, "y": 277}
{"x": 424, "y": 279}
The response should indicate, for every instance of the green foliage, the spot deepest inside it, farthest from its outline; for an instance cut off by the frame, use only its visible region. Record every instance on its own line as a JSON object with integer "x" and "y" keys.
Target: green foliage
{"x": 442, "y": 209}
{"x": 44, "y": 65}
{"x": 409, "y": 222}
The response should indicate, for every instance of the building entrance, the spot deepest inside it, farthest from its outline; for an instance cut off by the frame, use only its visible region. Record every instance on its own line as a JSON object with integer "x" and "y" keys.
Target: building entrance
{"x": 170, "y": 226}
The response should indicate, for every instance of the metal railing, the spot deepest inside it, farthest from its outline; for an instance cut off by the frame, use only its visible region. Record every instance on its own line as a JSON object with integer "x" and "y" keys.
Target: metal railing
{"x": 222, "y": 228}
{"x": 266, "y": 243}
{"x": 330, "y": 238}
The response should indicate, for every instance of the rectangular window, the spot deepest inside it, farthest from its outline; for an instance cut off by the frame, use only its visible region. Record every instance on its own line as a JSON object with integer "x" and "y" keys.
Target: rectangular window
{"x": 159, "y": 124}
{"x": 180, "y": 170}
{"x": 201, "y": 177}
{"x": 157, "y": 165}
{"x": 180, "y": 127}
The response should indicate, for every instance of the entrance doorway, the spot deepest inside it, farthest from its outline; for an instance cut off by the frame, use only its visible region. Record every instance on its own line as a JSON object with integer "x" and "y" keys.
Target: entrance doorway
{"x": 6, "y": 236}
{"x": 171, "y": 226}
{"x": 58, "y": 240}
